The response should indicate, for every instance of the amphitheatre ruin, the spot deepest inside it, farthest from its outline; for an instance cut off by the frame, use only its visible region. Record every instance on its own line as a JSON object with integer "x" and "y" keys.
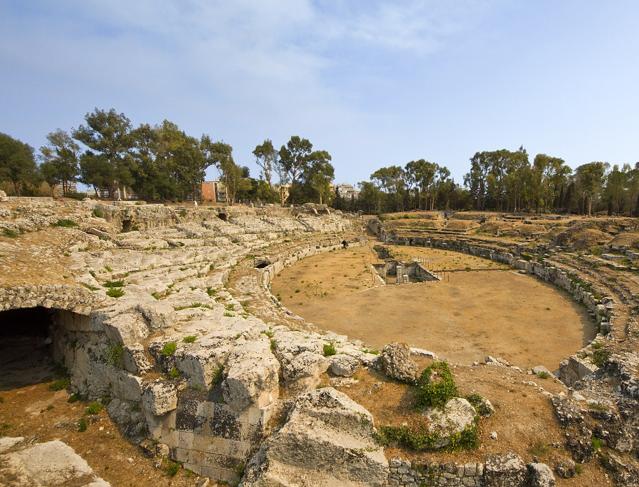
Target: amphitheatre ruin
{"x": 149, "y": 344}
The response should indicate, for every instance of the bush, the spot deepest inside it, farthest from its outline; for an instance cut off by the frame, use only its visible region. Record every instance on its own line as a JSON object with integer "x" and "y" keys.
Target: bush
{"x": 59, "y": 385}
{"x": 189, "y": 339}
{"x": 436, "y": 386}
{"x": 98, "y": 212}
{"x": 329, "y": 349}
{"x": 597, "y": 443}
{"x": 413, "y": 439}
{"x": 172, "y": 468}
{"x": 75, "y": 195}
{"x": 174, "y": 373}
{"x": 169, "y": 349}
{"x": 113, "y": 284}
{"x": 94, "y": 408}
{"x": 82, "y": 425}
{"x": 65, "y": 223}
{"x": 115, "y": 292}
{"x": 114, "y": 355}
{"x": 543, "y": 374}
{"x": 600, "y": 356}
{"x": 218, "y": 376}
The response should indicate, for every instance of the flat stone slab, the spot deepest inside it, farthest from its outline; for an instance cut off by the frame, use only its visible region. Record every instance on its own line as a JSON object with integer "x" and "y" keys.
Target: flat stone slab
{"x": 46, "y": 465}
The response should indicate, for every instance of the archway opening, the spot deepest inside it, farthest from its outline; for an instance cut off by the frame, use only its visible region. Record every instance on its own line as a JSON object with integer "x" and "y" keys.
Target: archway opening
{"x": 27, "y": 346}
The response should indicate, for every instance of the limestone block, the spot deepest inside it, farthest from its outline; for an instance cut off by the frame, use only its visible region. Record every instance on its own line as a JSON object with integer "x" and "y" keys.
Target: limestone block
{"x": 540, "y": 475}
{"x": 452, "y": 419}
{"x": 125, "y": 386}
{"x": 506, "y": 470}
{"x": 343, "y": 365}
{"x": 126, "y": 328}
{"x": 395, "y": 361}
{"x": 160, "y": 397}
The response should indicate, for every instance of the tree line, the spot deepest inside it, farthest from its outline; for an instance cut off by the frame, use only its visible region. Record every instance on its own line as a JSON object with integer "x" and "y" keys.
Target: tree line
{"x": 502, "y": 180}
{"x": 163, "y": 163}
{"x": 159, "y": 163}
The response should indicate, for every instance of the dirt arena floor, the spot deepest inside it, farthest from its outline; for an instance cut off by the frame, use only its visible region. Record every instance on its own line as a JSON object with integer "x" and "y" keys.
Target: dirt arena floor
{"x": 479, "y": 308}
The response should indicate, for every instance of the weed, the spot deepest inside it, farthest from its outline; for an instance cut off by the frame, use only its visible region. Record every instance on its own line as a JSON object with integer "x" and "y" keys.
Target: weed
{"x": 115, "y": 292}
{"x": 169, "y": 348}
{"x": 539, "y": 449}
{"x": 436, "y": 385}
{"x": 73, "y": 398}
{"x": 210, "y": 291}
{"x": 114, "y": 355}
{"x": 417, "y": 440}
{"x": 174, "y": 373}
{"x": 269, "y": 333}
{"x": 98, "y": 212}
{"x": 7, "y": 232}
{"x": 218, "y": 376}
{"x": 82, "y": 425}
{"x": 372, "y": 351}
{"x": 59, "y": 385}
{"x": 90, "y": 287}
{"x": 171, "y": 468}
{"x": 156, "y": 295}
{"x": 543, "y": 374}
{"x": 600, "y": 356}
{"x": 273, "y": 345}
{"x": 65, "y": 223}
{"x": 94, "y": 408}
{"x": 329, "y": 349}
{"x": 189, "y": 339}
{"x": 579, "y": 468}
{"x": 108, "y": 268}
{"x": 228, "y": 315}
{"x": 112, "y": 284}
{"x": 597, "y": 443}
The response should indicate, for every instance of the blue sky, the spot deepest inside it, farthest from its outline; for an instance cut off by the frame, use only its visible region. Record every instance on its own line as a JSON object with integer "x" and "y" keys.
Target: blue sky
{"x": 374, "y": 83}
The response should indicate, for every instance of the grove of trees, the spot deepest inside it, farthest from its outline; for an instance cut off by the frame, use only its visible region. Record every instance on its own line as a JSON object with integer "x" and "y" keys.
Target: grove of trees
{"x": 158, "y": 163}
{"x": 163, "y": 163}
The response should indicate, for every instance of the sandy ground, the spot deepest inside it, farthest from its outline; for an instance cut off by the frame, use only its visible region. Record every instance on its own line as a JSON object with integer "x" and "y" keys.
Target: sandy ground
{"x": 463, "y": 318}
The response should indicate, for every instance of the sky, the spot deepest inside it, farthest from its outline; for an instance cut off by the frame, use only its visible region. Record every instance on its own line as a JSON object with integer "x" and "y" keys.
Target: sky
{"x": 374, "y": 83}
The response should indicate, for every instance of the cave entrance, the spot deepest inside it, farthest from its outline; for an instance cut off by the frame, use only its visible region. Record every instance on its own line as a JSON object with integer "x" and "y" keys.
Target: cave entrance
{"x": 27, "y": 345}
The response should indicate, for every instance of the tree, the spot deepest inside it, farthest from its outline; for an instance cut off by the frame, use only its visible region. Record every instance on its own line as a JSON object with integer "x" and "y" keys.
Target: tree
{"x": 319, "y": 174}
{"x": 391, "y": 180}
{"x": 17, "y": 163}
{"x": 294, "y": 158}
{"x": 370, "y": 197}
{"x": 60, "y": 160}
{"x": 615, "y": 192}
{"x": 108, "y": 138}
{"x": 266, "y": 157}
{"x": 589, "y": 181}
{"x": 421, "y": 174}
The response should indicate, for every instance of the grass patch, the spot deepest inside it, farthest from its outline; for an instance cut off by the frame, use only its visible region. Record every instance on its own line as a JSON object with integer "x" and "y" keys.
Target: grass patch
{"x": 417, "y": 440}
{"x": 174, "y": 373}
{"x": 600, "y": 356}
{"x": 82, "y": 425}
{"x": 7, "y": 232}
{"x": 329, "y": 349}
{"x": 273, "y": 345}
{"x": 114, "y": 355}
{"x": 94, "y": 408}
{"x": 228, "y": 314}
{"x": 65, "y": 223}
{"x": 218, "y": 376}
{"x": 211, "y": 292}
{"x": 597, "y": 443}
{"x": 73, "y": 398}
{"x": 59, "y": 385}
{"x": 543, "y": 375}
{"x": 156, "y": 295}
{"x": 171, "y": 468}
{"x": 115, "y": 292}
{"x": 169, "y": 348}
{"x": 189, "y": 339}
{"x": 539, "y": 449}
{"x": 436, "y": 386}
{"x": 111, "y": 284}
{"x": 192, "y": 305}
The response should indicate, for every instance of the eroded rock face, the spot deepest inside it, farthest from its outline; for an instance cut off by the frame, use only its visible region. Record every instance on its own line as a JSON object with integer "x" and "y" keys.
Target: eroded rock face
{"x": 507, "y": 470}
{"x": 395, "y": 361}
{"x": 44, "y": 465}
{"x": 327, "y": 440}
{"x": 451, "y": 420}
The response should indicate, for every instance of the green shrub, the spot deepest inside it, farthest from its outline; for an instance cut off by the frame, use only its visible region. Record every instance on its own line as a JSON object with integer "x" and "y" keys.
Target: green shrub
{"x": 113, "y": 284}
{"x": 82, "y": 425}
{"x": 543, "y": 374}
{"x": 114, "y": 355}
{"x": 174, "y": 373}
{"x": 600, "y": 356}
{"x": 65, "y": 223}
{"x": 169, "y": 349}
{"x": 597, "y": 443}
{"x": 115, "y": 292}
{"x": 59, "y": 385}
{"x": 218, "y": 376}
{"x": 98, "y": 212}
{"x": 273, "y": 344}
{"x": 189, "y": 339}
{"x": 172, "y": 468}
{"x": 7, "y": 232}
{"x": 94, "y": 408}
{"x": 436, "y": 386}
{"x": 329, "y": 349}
{"x": 73, "y": 398}
{"x": 75, "y": 195}
{"x": 414, "y": 439}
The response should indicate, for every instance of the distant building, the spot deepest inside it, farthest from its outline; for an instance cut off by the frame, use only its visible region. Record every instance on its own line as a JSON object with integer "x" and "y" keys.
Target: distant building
{"x": 214, "y": 191}
{"x": 347, "y": 191}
